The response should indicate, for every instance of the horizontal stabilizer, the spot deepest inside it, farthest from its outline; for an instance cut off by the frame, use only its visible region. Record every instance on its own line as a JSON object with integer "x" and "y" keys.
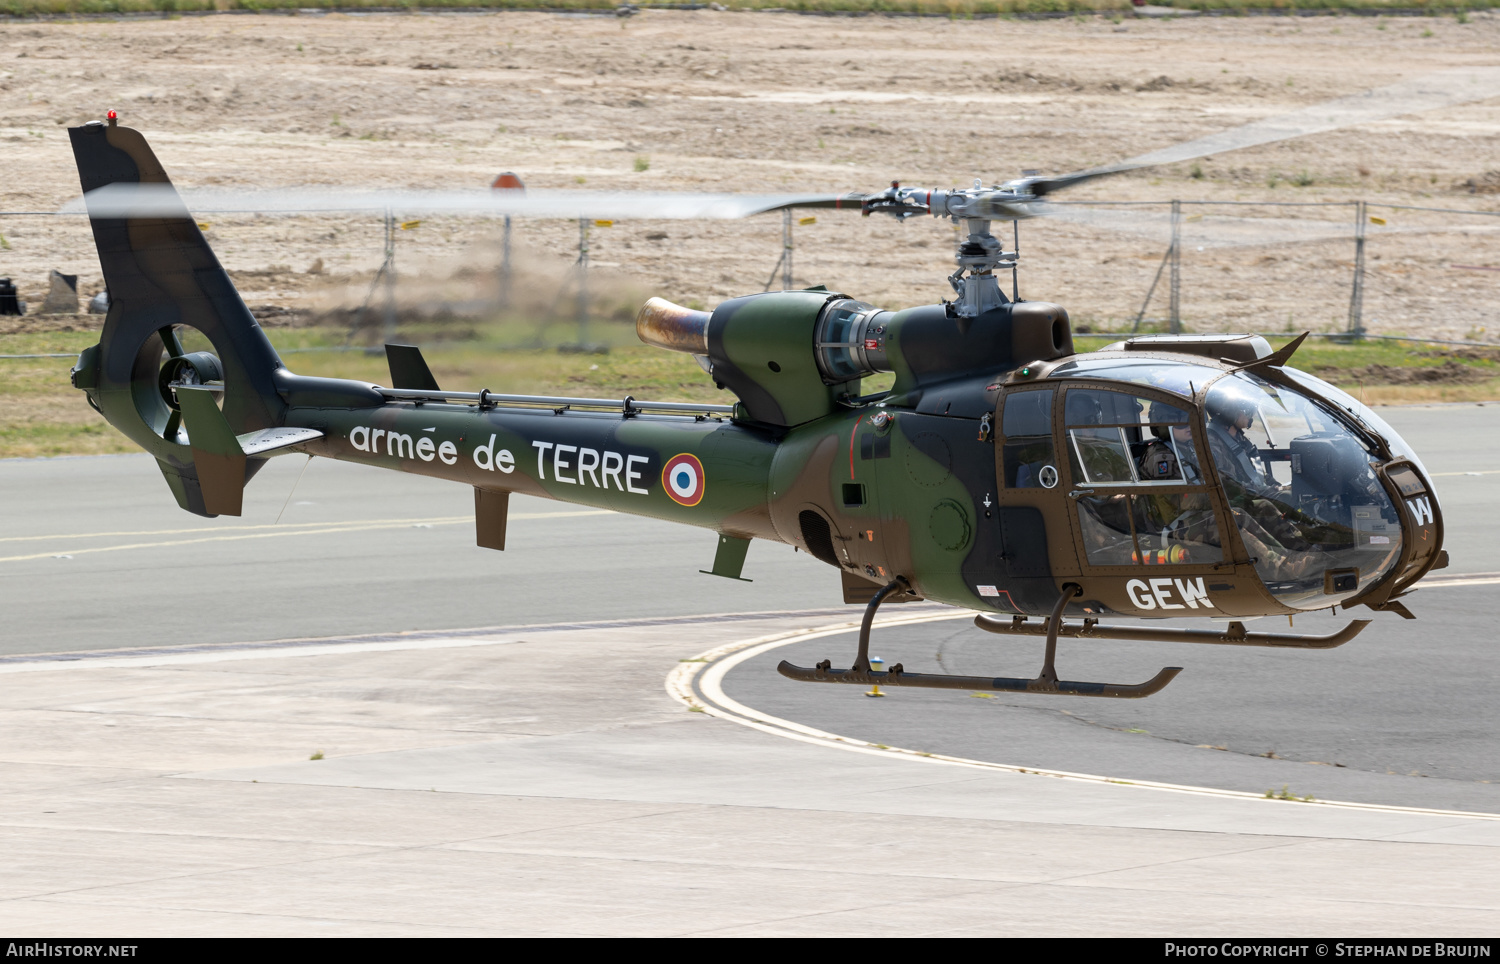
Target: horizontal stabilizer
{"x": 271, "y": 439}
{"x": 219, "y": 455}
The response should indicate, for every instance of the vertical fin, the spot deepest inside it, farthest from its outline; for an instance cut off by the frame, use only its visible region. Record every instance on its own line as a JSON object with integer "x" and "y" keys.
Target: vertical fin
{"x": 491, "y": 511}
{"x": 409, "y": 369}
{"x": 217, "y": 456}
{"x": 729, "y": 559}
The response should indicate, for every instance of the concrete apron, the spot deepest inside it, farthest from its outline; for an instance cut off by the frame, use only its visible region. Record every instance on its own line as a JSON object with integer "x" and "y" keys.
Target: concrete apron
{"x": 557, "y": 780}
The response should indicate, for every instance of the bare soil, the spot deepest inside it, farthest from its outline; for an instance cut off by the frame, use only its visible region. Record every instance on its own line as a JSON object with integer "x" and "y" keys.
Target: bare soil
{"x": 743, "y": 101}
{"x": 771, "y": 102}
{"x": 1449, "y": 372}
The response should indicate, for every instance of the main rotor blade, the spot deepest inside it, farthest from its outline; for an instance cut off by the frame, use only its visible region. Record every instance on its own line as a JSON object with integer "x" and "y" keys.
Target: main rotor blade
{"x": 165, "y": 201}
{"x": 1206, "y": 230}
{"x": 1446, "y": 88}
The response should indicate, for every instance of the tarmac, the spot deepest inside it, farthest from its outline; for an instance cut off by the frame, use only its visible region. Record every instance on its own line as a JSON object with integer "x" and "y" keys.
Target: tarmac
{"x": 619, "y": 758}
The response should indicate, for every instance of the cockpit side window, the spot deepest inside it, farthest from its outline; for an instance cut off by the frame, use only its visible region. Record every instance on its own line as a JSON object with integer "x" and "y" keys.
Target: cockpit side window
{"x": 1029, "y": 458}
{"x": 1115, "y": 438}
{"x": 1157, "y": 510}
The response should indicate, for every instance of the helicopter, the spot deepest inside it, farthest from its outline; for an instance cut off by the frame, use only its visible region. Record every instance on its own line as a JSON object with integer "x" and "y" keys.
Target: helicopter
{"x": 1003, "y": 472}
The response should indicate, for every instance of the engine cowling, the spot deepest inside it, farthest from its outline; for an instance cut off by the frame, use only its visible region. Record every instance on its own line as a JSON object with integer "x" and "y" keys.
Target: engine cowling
{"x": 791, "y": 356}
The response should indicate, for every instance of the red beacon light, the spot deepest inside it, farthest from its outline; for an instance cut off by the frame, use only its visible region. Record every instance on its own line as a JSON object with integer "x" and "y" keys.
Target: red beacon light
{"x": 113, "y": 117}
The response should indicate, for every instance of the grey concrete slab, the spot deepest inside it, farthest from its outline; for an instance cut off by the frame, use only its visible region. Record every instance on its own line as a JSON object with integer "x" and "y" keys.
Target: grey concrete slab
{"x": 704, "y": 761}
{"x": 51, "y": 863}
{"x": 627, "y": 814}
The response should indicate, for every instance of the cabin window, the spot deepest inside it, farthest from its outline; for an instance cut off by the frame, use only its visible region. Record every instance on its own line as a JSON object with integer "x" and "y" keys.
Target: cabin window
{"x": 1149, "y": 529}
{"x": 1115, "y": 438}
{"x": 1029, "y": 457}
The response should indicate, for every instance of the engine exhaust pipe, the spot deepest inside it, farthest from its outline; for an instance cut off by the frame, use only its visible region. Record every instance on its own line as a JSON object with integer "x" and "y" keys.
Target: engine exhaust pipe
{"x": 673, "y": 327}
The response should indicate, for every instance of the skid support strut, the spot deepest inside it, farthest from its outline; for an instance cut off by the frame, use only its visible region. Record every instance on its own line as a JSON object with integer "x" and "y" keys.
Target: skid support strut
{"x": 1047, "y": 682}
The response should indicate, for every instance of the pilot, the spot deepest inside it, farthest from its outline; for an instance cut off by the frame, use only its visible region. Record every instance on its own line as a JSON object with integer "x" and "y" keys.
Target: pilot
{"x": 1170, "y": 455}
{"x": 1229, "y": 416}
{"x": 1185, "y": 518}
{"x": 1262, "y": 508}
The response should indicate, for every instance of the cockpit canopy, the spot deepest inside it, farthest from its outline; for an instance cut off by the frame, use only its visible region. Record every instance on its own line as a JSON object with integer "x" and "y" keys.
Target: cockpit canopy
{"x": 1164, "y": 458}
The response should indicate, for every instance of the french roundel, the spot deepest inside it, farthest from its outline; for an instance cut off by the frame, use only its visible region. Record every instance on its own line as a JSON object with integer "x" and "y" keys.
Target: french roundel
{"x": 683, "y": 479}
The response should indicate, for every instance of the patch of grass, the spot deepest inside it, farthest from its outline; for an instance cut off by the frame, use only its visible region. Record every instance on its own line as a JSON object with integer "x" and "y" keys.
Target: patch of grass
{"x": 42, "y": 415}
{"x": 1365, "y": 369}
{"x": 642, "y": 163}
{"x": 1285, "y": 794}
{"x": 317, "y": 755}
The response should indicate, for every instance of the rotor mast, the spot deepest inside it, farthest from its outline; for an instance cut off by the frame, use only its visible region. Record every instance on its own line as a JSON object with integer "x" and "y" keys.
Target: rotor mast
{"x": 978, "y": 253}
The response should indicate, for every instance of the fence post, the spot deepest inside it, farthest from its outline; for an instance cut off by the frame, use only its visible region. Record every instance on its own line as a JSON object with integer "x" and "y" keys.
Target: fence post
{"x": 1357, "y": 295}
{"x": 505, "y": 268}
{"x": 1176, "y": 280}
{"x": 786, "y": 249}
{"x": 583, "y": 284}
{"x": 390, "y": 276}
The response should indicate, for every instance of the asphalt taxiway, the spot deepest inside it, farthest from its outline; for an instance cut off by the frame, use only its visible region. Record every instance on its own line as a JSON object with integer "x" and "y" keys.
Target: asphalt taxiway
{"x": 616, "y": 758}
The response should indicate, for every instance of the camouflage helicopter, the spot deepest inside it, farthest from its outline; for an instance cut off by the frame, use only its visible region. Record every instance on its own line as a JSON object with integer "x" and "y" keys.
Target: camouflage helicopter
{"x": 1004, "y": 472}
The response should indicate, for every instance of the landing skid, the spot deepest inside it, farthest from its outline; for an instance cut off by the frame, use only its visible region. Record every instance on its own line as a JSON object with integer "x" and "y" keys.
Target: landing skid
{"x": 860, "y": 673}
{"x": 1233, "y": 635}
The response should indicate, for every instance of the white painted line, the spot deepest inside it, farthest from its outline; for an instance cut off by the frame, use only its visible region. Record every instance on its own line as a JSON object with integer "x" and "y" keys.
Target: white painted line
{"x": 292, "y": 526}
{"x": 1444, "y": 583}
{"x": 713, "y": 665}
{"x": 239, "y": 533}
{"x": 267, "y": 652}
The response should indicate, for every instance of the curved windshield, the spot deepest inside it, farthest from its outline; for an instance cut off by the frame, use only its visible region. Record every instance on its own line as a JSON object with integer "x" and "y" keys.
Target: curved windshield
{"x": 1360, "y": 411}
{"x": 1310, "y": 510}
{"x": 1178, "y": 377}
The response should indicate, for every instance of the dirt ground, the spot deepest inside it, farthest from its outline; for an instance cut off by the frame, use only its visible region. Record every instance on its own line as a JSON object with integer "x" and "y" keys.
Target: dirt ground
{"x": 728, "y": 101}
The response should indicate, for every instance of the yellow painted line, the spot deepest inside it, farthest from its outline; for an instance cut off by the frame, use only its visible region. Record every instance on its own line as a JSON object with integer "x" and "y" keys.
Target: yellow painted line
{"x": 238, "y": 535}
